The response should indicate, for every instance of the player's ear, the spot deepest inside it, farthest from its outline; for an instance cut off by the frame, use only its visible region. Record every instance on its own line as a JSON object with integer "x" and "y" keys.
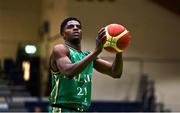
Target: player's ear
{"x": 62, "y": 34}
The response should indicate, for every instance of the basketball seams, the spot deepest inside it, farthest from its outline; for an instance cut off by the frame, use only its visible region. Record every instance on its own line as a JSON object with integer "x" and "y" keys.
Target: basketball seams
{"x": 111, "y": 41}
{"x": 117, "y": 38}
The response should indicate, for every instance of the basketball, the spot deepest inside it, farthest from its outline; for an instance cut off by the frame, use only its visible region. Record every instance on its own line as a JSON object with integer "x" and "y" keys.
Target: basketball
{"x": 117, "y": 38}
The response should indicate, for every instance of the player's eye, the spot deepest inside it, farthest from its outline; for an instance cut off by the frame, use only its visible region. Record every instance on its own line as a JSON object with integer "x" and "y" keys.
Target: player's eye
{"x": 78, "y": 26}
{"x": 70, "y": 26}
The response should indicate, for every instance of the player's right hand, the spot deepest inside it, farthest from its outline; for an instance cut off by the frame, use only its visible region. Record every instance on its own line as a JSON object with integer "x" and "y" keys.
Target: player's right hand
{"x": 99, "y": 44}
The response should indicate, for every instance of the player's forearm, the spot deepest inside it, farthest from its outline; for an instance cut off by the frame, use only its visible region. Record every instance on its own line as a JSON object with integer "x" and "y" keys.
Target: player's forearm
{"x": 117, "y": 66}
{"x": 78, "y": 67}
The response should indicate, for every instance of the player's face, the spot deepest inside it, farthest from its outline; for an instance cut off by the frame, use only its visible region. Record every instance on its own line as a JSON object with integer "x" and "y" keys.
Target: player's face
{"x": 72, "y": 32}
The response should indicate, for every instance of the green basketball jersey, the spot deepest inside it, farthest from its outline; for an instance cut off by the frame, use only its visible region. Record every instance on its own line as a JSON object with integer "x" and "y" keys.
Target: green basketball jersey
{"x": 75, "y": 92}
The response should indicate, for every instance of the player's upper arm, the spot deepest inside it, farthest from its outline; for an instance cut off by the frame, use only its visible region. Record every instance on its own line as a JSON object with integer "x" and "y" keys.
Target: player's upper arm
{"x": 105, "y": 67}
{"x": 102, "y": 66}
{"x": 60, "y": 53}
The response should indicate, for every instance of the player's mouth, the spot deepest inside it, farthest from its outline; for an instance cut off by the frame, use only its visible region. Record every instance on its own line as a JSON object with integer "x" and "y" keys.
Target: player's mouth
{"x": 76, "y": 33}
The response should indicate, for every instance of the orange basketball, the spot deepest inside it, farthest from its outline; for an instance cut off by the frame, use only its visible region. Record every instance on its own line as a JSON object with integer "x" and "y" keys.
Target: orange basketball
{"x": 117, "y": 38}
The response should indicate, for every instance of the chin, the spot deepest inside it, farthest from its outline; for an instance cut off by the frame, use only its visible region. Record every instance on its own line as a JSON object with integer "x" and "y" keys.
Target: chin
{"x": 76, "y": 40}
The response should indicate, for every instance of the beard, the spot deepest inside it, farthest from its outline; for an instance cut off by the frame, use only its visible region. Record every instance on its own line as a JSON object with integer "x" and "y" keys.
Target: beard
{"x": 75, "y": 40}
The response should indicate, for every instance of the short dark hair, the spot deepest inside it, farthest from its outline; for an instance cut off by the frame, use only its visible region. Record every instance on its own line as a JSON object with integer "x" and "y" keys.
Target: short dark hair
{"x": 63, "y": 24}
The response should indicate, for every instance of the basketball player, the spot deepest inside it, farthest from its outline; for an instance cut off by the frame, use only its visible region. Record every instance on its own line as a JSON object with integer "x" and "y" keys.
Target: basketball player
{"x": 71, "y": 69}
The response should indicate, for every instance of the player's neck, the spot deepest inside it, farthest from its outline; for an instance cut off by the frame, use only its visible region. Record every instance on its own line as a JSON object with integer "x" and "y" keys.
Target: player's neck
{"x": 74, "y": 46}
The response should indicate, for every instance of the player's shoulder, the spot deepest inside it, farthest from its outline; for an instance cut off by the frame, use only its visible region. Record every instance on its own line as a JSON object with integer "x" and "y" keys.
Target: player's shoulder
{"x": 60, "y": 48}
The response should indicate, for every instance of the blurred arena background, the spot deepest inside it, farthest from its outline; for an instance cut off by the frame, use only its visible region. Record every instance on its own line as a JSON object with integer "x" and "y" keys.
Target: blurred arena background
{"x": 151, "y": 74}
